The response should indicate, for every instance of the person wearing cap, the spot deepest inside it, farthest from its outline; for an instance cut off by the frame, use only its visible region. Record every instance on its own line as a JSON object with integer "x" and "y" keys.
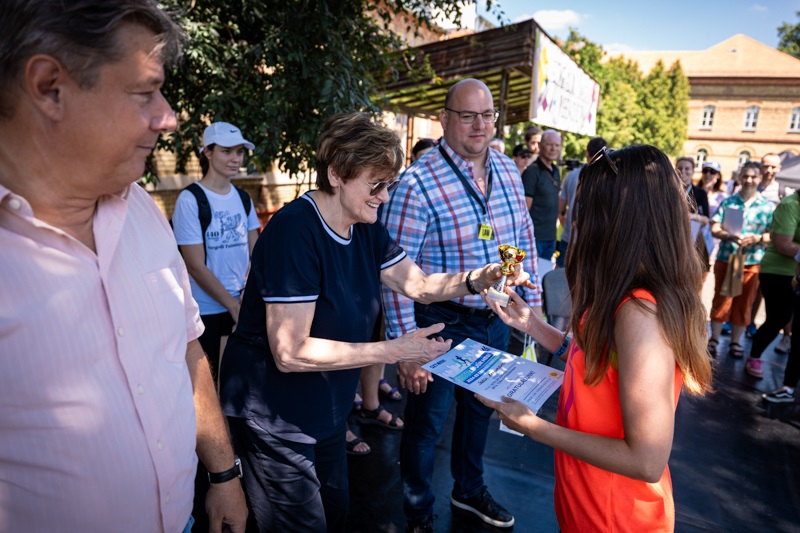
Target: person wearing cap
{"x": 711, "y": 182}
{"x": 522, "y": 156}
{"x": 218, "y": 268}
{"x": 217, "y": 261}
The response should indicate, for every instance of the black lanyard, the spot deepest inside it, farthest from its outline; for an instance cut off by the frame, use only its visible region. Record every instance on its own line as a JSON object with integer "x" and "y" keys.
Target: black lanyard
{"x": 467, "y": 186}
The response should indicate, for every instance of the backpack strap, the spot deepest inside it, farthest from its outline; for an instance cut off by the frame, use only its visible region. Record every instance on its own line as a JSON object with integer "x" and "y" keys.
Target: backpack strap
{"x": 203, "y": 211}
{"x": 246, "y": 201}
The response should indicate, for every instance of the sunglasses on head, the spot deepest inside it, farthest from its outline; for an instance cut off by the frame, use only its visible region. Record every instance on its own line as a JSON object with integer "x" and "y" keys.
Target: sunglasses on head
{"x": 604, "y": 153}
{"x": 376, "y": 188}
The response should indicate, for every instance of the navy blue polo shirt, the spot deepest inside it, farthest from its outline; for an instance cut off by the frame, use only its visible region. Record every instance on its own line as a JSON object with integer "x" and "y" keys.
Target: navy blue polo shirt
{"x": 299, "y": 258}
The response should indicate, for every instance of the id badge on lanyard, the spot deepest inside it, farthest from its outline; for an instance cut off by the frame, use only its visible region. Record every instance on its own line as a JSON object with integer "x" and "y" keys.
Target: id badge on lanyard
{"x": 485, "y": 231}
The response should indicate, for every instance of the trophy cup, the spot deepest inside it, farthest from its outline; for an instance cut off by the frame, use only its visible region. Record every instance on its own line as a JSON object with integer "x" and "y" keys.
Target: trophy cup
{"x": 510, "y": 256}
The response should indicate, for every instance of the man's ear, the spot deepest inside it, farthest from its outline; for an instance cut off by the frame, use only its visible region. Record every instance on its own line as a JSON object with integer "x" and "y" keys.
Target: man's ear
{"x": 443, "y": 118}
{"x": 45, "y": 77}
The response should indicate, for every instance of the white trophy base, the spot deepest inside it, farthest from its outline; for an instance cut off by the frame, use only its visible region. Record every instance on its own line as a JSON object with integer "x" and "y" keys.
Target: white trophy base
{"x": 500, "y": 297}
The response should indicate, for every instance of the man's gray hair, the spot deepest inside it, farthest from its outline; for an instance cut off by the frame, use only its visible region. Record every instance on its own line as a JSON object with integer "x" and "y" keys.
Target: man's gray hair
{"x": 81, "y": 34}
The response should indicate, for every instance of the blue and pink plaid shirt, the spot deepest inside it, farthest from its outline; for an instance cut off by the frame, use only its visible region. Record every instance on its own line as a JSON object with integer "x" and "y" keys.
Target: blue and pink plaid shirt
{"x": 435, "y": 220}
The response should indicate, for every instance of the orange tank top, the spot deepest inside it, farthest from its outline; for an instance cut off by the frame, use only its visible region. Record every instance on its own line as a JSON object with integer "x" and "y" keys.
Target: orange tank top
{"x": 588, "y": 498}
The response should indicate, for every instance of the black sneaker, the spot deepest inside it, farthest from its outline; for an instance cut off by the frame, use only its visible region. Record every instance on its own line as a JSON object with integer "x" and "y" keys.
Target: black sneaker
{"x": 484, "y": 506}
{"x": 779, "y": 396}
{"x": 422, "y": 525}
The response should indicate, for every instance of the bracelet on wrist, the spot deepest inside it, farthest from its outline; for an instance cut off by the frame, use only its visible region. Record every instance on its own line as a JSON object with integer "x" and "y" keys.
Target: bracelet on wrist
{"x": 563, "y": 347}
{"x": 470, "y": 286}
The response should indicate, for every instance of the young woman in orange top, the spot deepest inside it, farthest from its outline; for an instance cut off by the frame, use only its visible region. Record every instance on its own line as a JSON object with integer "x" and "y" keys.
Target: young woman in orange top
{"x": 640, "y": 335}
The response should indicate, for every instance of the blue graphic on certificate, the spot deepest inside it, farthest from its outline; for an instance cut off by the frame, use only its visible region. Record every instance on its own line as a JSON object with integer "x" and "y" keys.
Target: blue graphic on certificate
{"x": 493, "y": 373}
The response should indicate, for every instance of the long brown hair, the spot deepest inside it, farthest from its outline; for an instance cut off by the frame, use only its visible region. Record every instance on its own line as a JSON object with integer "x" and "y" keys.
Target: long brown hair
{"x": 632, "y": 231}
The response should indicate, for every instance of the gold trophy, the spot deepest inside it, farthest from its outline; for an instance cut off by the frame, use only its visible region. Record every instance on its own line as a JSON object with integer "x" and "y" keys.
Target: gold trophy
{"x": 510, "y": 257}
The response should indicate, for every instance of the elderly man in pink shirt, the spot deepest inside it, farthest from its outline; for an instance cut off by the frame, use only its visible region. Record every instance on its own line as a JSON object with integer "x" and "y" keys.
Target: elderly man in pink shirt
{"x": 106, "y": 393}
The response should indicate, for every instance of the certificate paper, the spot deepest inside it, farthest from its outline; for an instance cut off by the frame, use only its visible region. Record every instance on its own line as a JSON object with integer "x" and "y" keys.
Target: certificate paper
{"x": 493, "y": 373}
{"x": 733, "y": 220}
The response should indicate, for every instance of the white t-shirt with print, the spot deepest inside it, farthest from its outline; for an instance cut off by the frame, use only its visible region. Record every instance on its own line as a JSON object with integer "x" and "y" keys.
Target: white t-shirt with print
{"x": 227, "y": 252}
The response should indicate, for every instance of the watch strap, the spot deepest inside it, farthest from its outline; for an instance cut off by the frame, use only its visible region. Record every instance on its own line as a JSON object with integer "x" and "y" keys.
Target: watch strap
{"x": 226, "y": 475}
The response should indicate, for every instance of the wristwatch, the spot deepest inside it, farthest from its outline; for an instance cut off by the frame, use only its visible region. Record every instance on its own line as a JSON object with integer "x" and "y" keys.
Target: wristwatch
{"x": 227, "y": 475}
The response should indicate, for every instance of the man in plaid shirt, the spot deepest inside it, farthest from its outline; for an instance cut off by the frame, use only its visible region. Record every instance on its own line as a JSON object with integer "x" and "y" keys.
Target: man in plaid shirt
{"x": 452, "y": 210}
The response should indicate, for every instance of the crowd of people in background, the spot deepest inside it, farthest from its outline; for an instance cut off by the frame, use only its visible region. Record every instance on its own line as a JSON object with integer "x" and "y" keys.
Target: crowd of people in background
{"x": 387, "y": 262}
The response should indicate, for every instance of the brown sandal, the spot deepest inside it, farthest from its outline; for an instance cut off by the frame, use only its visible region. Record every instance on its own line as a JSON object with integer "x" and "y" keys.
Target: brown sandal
{"x": 370, "y": 416}
{"x": 736, "y": 350}
{"x": 712, "y": 347}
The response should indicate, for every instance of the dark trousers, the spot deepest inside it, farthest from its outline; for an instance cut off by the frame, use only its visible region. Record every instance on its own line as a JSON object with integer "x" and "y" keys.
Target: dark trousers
{"x": 562, "y": 253}
{"x": 291, "y": 486}
{"x": 792, "y": 375}
{"x": 779, "y": 306}
{"x": 426, "y": 414}
{"x": 546, "y": 249}
{"x": 217, "y": 326}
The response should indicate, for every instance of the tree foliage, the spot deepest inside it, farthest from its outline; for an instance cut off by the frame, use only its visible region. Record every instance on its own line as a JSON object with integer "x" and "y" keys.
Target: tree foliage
{"x": 279, "y": 68}
{"x": 634, "y": 108}
{"x": 789, "y": 35}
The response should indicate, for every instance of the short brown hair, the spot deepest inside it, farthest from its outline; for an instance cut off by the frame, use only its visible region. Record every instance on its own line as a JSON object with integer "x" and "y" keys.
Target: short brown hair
{"x": 352, "y": 143}
{"x": 81, "y": 34}
{"x": 530, "y": 131}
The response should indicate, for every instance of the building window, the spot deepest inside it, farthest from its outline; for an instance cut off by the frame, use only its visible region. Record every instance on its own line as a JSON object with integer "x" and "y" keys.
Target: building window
{"x": 750, "y": 118}
{"x": 744, "y": 157}
{"x": 700, "y": 158}
{"x": 794, "y": 122}
{"x": 708, "y": 117}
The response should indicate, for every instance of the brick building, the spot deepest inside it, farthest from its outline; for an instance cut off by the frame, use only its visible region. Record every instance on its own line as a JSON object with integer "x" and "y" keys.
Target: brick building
{"x": 744, "y": 100}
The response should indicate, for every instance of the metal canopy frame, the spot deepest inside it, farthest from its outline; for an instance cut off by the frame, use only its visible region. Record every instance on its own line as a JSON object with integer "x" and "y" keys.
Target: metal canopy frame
{"x": 502, "y": 58}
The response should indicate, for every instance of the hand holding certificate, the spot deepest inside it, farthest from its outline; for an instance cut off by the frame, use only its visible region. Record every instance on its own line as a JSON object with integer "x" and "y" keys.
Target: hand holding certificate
{"x": 494, "y": 374}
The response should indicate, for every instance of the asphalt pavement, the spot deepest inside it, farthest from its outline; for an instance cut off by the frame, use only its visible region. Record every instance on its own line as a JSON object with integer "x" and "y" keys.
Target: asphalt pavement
{"x": 735, "y": 463}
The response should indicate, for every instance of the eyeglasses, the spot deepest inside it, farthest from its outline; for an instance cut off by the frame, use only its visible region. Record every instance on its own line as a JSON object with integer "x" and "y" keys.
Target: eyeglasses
{"x": 709, "y": 171}
{"x": 602, "y": 153}
{"x": 468, "y": 117}
{"x": 376, "y": 188}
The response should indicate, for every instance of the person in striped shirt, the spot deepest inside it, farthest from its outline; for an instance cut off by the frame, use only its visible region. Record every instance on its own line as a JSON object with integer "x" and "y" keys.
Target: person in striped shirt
{"x": 449, "y": 214}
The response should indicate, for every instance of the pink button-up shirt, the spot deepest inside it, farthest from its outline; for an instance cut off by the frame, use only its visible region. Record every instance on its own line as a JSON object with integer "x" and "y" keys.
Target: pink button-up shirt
{"x": 97, "y": 421}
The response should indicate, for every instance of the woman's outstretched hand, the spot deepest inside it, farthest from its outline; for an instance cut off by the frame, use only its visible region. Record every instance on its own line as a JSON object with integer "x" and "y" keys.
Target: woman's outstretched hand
{"x": 516, "y": 314}
{"x": 416, "y": 347}
{"x": 514, "y": 414}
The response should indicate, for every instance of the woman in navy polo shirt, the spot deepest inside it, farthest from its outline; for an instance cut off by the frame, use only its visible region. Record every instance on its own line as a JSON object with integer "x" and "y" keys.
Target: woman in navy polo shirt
{"x": 311, "y": 301}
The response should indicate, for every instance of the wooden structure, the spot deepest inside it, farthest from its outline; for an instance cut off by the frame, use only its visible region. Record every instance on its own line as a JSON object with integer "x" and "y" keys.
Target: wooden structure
{"x": 502, "y": 58}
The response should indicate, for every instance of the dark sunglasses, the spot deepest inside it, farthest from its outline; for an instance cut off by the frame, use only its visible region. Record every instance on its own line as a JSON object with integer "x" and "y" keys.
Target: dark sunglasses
{"x": 709, "y": 171}
{"x": 604, "y": 153}
{"x": 376, "y": 188}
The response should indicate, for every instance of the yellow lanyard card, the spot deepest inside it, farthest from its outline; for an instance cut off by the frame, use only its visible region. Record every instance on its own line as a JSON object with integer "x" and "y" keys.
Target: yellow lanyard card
{"x": 485, "y": 232}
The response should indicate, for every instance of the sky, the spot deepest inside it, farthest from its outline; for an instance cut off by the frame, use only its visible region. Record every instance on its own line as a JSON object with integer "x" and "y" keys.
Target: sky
{"x": 622, "y": 25}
